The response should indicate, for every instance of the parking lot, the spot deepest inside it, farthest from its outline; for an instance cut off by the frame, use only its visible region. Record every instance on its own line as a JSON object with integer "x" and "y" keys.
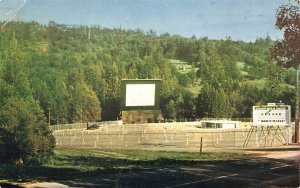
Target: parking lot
{"x": 171, "y": 137}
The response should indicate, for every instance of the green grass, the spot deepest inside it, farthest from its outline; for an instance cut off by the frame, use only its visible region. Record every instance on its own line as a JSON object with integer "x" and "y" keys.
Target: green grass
{"x": 260, "y": 84}
{"x": 88, "y": 159}
{"x": 177, "y": 61}
{"x": 79, "y": 163}
{"x": 182, "y": 67}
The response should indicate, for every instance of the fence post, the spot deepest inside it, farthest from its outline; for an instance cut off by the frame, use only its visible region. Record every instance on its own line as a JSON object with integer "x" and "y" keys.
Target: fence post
{"x": 201, "y": 146}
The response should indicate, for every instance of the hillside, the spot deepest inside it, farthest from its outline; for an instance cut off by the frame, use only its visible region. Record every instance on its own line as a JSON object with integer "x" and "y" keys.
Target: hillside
{"x": 75, "y": 71}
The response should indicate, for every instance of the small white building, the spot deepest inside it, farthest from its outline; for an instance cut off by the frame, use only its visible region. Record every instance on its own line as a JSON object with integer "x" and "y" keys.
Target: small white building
{"x": 225, "y": 124}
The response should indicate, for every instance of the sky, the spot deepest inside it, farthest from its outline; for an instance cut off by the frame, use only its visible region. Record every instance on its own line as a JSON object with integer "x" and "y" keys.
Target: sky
{"x": 216, "y": 19}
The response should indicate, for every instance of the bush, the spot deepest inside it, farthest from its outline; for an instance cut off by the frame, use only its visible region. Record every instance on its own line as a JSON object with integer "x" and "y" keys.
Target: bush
{"x": 24, "y": 135}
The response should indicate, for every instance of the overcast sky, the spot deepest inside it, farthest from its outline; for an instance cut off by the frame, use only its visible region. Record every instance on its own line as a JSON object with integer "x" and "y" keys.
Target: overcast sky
{"x": 215, "y": 19}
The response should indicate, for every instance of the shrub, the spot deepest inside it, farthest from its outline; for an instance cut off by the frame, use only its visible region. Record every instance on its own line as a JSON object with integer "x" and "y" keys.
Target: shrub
{"x": 24, "y": 135}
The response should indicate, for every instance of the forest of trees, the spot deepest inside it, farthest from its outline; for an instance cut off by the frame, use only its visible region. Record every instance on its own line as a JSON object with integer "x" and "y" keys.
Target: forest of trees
{"x": 75, "y": 72}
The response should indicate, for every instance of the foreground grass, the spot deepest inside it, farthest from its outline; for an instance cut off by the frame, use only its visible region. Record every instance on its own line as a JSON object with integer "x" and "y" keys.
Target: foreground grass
{"x": 77, "y": 163}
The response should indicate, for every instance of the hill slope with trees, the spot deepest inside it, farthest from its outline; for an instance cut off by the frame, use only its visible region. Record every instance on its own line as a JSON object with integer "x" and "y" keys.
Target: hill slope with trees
{"x": 75, "y": 72}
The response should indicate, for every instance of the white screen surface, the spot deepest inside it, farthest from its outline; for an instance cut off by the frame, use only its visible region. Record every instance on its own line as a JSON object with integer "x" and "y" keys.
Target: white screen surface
{"x": 140, "y": 95}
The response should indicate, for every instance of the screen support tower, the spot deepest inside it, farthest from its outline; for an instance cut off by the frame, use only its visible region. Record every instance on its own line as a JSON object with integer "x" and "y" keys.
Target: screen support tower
{"x": 265, "y": 135}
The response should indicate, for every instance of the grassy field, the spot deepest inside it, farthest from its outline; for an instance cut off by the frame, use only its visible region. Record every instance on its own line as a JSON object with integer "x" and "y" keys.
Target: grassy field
{"x": 68, "y": 164}
{"x": 258, "y": 83}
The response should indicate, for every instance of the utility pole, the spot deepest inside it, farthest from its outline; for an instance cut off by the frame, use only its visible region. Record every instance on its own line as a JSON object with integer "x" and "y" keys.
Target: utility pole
{"x": 297, "y": 121}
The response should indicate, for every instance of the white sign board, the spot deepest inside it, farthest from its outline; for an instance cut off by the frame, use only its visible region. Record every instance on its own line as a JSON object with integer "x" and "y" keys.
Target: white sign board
{"x": 271, "y": 115}
{"x": 140, "y": 95}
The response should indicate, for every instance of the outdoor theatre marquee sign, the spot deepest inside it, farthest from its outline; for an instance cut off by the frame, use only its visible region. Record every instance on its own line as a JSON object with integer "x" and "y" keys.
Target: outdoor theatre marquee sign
{"x": 272, "y": 115}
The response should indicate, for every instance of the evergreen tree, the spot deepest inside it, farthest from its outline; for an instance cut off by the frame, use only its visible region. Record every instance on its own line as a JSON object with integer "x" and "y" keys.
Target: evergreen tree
{"x": 84, "y": 104}
{"x": 170, "y": 112}
{"x": 213, "y": 103}
{"x": 212, "y": 71}
{"x": 185, "y": 104}
{"x": 111, "y": 106}
{"x": 202, "y": 102}
{"x": 133, "y": 72}
{"x": 25, "y": 134}
{"x": 274, "y": 85}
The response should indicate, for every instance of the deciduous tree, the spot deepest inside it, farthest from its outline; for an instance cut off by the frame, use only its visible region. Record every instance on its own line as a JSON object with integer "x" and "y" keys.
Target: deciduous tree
{"x": 286, "y": 52}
